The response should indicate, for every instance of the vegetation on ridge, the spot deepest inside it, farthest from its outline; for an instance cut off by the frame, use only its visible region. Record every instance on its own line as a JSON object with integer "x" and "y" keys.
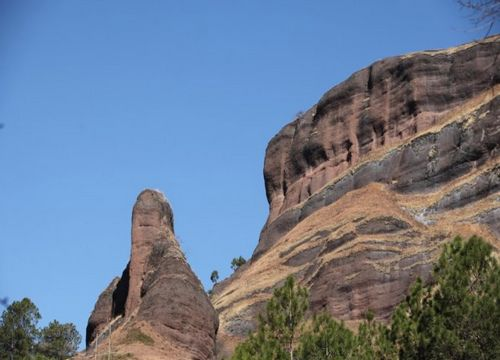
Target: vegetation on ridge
{"x": 214, "y": 277}
{"x": 237, "y": 262}
{"x": 456, "y": 316}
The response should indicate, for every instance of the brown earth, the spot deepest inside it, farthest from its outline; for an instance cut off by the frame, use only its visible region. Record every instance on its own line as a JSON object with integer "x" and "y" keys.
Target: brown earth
{"x": 366, "y": 186}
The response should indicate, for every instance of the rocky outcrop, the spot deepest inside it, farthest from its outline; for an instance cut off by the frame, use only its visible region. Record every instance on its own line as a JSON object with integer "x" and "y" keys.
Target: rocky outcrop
{"x": 377, "y": 108}
{"x": 365, "y": 186}
{"x": 103, "y": 311}
{"x": 158, "y": 308}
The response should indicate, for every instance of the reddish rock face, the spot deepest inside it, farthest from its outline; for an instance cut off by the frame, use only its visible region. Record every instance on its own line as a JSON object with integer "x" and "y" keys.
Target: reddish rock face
{"x": 363, "y": 189}
{"x": 158, "y": 295}
{"x": 366, "y": 186}
{"x": 152, "y": 224}
{"x": 103, "y": 311}
{"x": 377, "y": 108}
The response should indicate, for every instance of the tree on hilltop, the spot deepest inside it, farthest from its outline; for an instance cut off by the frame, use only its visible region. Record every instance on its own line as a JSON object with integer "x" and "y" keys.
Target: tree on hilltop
{"x": 214, "y": 277}
{"x": 237, "y": 262}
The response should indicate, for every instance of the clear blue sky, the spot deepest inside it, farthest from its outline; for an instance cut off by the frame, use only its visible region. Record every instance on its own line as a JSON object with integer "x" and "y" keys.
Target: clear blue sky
{"x": 103, "y": 98}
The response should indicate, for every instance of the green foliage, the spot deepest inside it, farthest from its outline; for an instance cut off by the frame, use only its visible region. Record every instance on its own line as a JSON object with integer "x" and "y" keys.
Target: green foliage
{"x": 278, "y": 327}
{"x": 21, "y": 339}
{"x": 39, "y": 356}
{"x": 262, "y": 346}
{"x": 59, "y": 341}
{"x": 214, "y": 277}
{"x": 373, "y": 341}
{"x": 18, "y": 331}
{"x": 237, "y": 262}
{"x": 326, "y": 339}
{"x": 458, "y": 315}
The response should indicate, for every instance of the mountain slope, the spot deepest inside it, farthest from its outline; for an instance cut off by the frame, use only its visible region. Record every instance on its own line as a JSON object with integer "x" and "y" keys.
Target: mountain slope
{"x": 365, "y": 186}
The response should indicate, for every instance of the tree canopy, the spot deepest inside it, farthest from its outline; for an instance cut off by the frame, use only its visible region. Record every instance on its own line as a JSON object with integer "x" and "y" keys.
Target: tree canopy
{"x": 20, "y": 338}
{"x": 18, "y": 329}
{"x": 59, "y": 341}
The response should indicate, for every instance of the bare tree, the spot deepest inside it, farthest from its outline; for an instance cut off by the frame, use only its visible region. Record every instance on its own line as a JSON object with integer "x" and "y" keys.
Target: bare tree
{"x": 483, "y": 12}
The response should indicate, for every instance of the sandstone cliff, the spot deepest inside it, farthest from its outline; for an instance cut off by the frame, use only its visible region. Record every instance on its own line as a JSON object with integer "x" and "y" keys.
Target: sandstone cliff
{"x": 363, "y": 190}
{"x": 365, "y": 186}
{"x": 158, "y": 308}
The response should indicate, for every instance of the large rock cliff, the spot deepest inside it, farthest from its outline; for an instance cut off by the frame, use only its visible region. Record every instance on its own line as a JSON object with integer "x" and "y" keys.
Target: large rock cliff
{"x": 158, "y": 308}
{"x": 365, "y": 186}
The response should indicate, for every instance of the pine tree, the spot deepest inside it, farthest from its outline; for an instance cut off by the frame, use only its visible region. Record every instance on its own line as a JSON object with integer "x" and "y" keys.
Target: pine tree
{"x": 373, "y": 341}
{"x": 59, "y": 341}
{"x": 326, "y": 339}
{"x": 18, "y": 331}
{"x": 277, "y": 331}
{"x": 20, "y": 338}
{"x": 458, "y": 315}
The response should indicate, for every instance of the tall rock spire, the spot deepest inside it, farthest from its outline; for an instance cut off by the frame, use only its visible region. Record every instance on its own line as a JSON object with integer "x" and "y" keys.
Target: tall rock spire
{"x": 152, "y": 227}
{"x": 158, "y": 308}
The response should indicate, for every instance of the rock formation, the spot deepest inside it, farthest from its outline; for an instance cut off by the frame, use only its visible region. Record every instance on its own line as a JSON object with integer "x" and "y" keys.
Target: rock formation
{"x": 158, "y": 308}
{"x": 365, "y": 186}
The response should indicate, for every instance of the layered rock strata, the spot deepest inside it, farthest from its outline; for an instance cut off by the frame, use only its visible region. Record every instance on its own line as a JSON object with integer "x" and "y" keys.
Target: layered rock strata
{"x": 365, "y": 186}
{"x": 158, "y": 308}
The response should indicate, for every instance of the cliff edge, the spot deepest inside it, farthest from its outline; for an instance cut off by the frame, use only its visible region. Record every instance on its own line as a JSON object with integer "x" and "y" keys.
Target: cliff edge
{"x": 364, "y": 187}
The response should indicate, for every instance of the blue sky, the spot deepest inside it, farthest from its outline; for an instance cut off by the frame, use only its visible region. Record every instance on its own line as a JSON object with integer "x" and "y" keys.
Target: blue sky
{"x": 103, "y": 98}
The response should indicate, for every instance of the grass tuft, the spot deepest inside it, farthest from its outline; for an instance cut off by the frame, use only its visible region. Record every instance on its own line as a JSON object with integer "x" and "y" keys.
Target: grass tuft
{"x": 136, "y": 335}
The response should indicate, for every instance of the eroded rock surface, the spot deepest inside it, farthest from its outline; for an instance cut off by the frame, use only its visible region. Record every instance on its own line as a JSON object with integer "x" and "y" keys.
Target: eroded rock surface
{"x": 363, "y": 189}
{"x": 158, "y": 308}
{"x": 366, "y": 186}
